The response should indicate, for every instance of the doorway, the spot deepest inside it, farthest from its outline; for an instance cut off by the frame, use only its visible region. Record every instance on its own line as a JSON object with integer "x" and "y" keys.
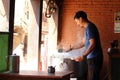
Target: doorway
{"x": 48, "y": 37}
{"x": 26, "y": 35}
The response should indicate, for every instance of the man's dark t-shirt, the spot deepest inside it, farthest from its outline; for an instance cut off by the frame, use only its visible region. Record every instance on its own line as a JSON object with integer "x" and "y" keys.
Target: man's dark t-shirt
{"x": 91, "y": 31}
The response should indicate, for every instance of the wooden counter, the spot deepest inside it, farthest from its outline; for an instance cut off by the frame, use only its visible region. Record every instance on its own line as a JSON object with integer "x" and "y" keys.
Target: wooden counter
{"x": 114, "y": 55}
{"x": 114, "y": 61}
{"x": 36, "y": 75}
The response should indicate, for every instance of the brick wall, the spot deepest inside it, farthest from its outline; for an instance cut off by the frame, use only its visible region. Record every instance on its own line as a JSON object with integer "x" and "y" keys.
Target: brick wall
{"x": 101, "y": 12}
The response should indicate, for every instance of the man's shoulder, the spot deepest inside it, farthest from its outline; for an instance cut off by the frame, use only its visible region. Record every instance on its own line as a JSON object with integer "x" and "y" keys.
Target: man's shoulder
{"x": 92, "y": 24}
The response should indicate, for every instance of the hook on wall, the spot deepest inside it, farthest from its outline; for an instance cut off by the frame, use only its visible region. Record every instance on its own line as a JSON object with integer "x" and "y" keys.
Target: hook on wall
{"x": 50, "y": 9}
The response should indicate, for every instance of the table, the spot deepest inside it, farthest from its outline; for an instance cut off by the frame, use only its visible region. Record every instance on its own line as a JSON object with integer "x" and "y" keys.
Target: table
{"x": 36, "y": 75}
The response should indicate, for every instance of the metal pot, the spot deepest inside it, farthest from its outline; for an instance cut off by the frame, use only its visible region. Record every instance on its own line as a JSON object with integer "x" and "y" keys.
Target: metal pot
{"x": 13, "y": 63}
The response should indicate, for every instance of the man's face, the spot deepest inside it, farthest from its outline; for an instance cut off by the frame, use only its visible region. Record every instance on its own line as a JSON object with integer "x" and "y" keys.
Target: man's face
{"x": 79, "y": 22}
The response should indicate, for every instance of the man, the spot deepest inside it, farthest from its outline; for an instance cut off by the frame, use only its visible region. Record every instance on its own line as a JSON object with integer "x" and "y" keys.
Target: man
{"x": 91, "y": 42}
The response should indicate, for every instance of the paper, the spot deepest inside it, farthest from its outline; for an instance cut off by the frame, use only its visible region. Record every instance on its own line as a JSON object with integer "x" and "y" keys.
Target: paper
{"x": 117, "y": 22}
{"x": 74, "y": 53}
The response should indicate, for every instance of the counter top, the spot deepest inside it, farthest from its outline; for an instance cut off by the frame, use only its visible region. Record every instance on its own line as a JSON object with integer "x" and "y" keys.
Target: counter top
{"x": 36, "y": 75}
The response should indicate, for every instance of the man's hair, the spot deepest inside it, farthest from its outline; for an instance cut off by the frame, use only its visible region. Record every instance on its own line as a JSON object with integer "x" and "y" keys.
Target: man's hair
{"x": 80, "y": 14}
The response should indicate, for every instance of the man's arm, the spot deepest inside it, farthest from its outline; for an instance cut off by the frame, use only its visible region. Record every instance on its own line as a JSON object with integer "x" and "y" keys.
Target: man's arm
{"x": 76, "y": 46}
{"x": 90, "y": 48}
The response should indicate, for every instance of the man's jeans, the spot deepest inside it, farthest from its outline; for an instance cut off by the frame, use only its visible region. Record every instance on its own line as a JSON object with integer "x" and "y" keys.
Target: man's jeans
{"x": 94, "y": 68}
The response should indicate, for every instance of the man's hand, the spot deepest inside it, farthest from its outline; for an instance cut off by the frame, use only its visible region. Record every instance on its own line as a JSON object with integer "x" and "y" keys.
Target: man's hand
{"x": 68, "y": 49}
{"x": 78, "y": 59}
